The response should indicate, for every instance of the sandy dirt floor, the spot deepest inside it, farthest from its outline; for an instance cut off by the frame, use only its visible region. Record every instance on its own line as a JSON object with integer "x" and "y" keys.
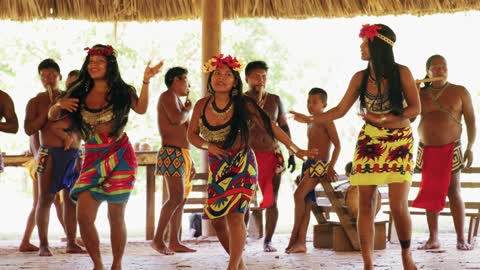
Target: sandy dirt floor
{"x": 211, "y": 256}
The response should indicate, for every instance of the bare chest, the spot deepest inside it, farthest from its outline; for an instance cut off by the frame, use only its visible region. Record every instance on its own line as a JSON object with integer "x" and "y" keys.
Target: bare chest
{"x": 432, "y": 102}
{"x": 316, "y": 132}
{"x": 271, "y": 108}
{"x": 96, "y": 101}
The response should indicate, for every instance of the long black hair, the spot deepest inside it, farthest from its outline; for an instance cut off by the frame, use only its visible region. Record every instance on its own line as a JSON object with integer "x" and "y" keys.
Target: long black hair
{"x": 427, "y": 67}
{"x": 385, "y": 67}
{"x": 118, "y": 94}
{"x": 239, "y": 122}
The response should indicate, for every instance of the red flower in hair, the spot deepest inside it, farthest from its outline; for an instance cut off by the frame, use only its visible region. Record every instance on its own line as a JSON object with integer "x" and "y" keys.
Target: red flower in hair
{"x": 219, "y": 61}
{"x": 369, "y": 31}
{"x": 107, "y": 51}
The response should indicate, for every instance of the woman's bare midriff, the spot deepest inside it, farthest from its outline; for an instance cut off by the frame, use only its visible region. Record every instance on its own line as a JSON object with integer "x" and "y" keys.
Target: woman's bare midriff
{"x": 400, "y": 124}
{"x": 106, "y": 128}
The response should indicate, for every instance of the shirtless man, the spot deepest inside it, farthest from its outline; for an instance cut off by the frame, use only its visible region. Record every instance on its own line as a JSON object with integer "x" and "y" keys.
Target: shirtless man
{"x": 269, "y": 158}
{"x": 7, "y": 112}
{"x": 174, "y": 161}
{"x": 57, "y": 169}
{"x": 440, "y": 127}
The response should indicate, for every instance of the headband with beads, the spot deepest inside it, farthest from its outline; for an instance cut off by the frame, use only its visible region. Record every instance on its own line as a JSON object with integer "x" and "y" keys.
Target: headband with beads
{"x": 370, "y": 32}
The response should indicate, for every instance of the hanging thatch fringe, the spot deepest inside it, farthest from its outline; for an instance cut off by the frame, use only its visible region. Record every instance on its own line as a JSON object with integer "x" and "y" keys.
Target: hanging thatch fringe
{"x": 155, "y": 10}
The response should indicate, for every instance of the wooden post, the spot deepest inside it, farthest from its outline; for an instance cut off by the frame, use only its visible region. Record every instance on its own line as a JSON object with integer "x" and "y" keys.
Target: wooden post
{"x": 150, "y": 222}
{"x": 212, "y": 16}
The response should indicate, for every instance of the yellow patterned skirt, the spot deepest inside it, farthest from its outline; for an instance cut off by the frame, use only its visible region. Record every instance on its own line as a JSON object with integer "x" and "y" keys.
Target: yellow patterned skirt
{"x": 382, "y": 156}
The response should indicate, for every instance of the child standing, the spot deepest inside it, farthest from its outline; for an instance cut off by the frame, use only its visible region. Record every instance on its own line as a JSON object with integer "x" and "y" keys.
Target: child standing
{"x": 321, "y": 137}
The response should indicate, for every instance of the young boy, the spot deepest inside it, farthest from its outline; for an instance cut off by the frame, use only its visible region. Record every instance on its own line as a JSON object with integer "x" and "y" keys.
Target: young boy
{"x": 61, "y": 127}
{"x": 320, "y": 136}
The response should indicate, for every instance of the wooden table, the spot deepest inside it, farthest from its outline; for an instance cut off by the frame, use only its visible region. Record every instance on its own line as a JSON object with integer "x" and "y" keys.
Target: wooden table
{"x": 144, "y": 158}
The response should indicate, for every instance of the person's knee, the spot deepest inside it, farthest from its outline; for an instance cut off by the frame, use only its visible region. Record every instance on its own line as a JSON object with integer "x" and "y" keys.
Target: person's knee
{"x": 45, "y": 200}
{"x": 298, "y": 196}
{"x": 174, "y": 201}
{"x": 85, "y": 219}
{"x": 366, "y": 207}
{"x": 454, "y": 194}
{"x": 219, "y": 226}
{"x": 273, "y": 208}
{"x": 177, "y": 199}
{"x": 398, "y": 207}
{"x": 116, "y": 221}
{"x": 116, "y": 217}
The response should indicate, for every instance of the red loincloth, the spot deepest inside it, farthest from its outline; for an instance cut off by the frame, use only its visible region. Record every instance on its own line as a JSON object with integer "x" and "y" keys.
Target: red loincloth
{"x": 436, "y": 174}
{"x": 267, "y": 164}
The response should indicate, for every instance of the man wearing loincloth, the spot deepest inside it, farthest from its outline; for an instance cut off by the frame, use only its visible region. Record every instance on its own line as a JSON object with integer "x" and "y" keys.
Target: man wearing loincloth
{"x": 439, "y": 156}
{"x": 267, "y": 152}
{"x": 174, "y": 162}
{"x": 57, "y": 169}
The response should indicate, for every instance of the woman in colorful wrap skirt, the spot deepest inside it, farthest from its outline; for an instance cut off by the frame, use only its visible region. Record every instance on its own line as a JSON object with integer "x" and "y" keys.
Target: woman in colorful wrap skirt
{"x": 220, "y": 124}
{"x": 383, "y": 154}
{"x": 99, "y": 102}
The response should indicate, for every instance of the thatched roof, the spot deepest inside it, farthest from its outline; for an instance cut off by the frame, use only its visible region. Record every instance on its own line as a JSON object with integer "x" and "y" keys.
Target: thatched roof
{"x": 156, "y": 10}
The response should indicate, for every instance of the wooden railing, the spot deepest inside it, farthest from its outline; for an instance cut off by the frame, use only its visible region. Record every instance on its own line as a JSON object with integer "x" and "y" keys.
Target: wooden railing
{"x": 144, "y": 158}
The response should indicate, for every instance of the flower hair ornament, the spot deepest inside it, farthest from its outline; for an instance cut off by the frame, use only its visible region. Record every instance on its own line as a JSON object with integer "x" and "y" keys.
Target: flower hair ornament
{"x": 107, "y": 51}
{"x": 371, "y": 31}
{"x": 220, "y": 61}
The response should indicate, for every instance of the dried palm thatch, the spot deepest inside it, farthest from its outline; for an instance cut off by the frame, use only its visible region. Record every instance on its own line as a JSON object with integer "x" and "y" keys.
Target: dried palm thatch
{"x": 156, "y": 10}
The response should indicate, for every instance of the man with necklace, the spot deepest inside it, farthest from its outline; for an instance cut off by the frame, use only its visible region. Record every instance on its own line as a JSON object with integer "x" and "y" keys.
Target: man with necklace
{"x": 269, "y": 158}
{"x": 439, "y": 153}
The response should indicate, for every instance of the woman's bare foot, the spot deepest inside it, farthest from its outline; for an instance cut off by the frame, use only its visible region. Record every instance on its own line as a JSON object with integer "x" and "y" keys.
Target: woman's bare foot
{"x": 290, "y": 244}
{"x": 98, "y": 267}
{"x": 267, "y": 247}
{"x": 163, "y": 249}
{"x": 430, "y": 244}
{"x": 180, "y": 248}
{"x": 242, "y": 266}
{"x": 407, "y": 260}
{"x": 116, "y": 267}
{"x": 75, "y": 249}
{"x": 461, "y": 245}
{"x": 80, "y": 242}
{"x": 27, "y": 247}
{"x": 44, "y": 251}
{"x": 297, "y": 248}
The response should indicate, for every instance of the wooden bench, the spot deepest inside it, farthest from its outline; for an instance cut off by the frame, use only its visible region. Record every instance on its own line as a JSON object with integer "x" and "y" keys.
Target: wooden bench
{"x": 341, "y": 234}
{"x": 322, "y": 209}
{"x": 472, "y": 208}
{"x": 198, "y": 195}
